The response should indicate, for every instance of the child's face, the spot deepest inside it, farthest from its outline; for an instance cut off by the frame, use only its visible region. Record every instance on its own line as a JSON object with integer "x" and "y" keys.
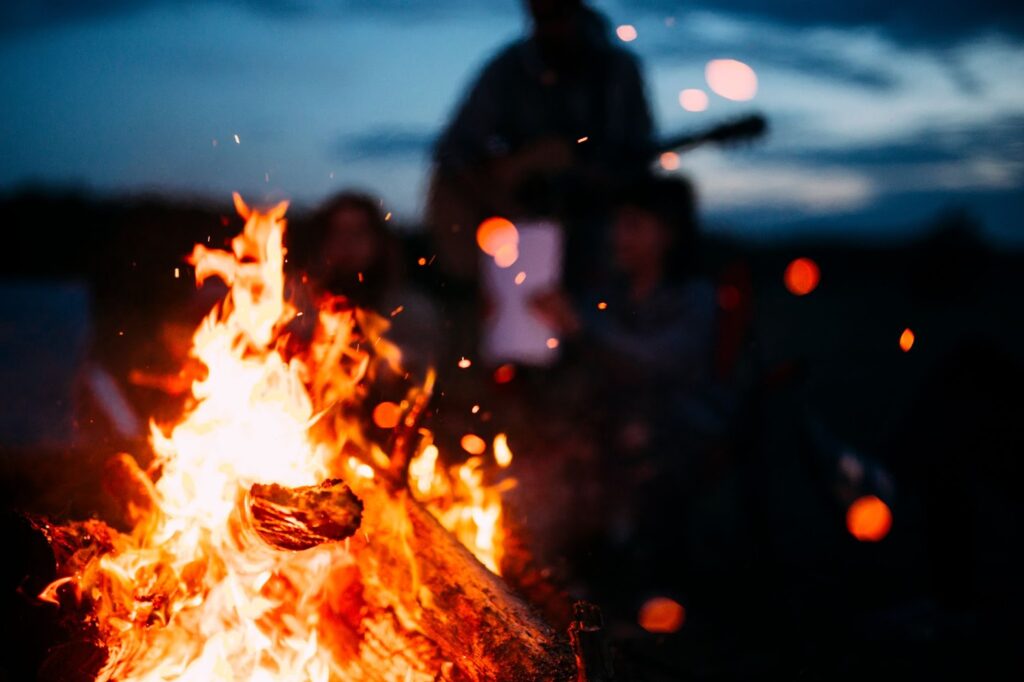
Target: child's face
{"x": 351, "y": 245}
{"x": 640, "y": 240}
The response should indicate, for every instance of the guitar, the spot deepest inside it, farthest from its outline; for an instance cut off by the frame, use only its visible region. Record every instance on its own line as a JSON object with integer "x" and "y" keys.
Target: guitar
{"x": 458, "y": 203}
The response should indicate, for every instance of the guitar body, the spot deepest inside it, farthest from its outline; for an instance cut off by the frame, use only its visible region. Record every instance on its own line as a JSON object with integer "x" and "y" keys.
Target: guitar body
{"x": 458, "y": 203}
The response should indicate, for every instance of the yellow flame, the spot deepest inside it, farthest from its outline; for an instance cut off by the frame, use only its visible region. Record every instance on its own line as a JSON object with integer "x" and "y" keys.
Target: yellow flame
{"x": 189, "y": 595}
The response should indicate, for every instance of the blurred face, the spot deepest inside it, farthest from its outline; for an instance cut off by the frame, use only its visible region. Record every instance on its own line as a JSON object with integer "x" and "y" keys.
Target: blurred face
{"x": 640, "y": 241}
{"x": 556, "y": 28}
{"x": 351, "y": 245}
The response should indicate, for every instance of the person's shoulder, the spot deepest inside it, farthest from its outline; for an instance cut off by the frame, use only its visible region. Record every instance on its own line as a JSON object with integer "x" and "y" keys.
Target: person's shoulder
{"x": 511, "y": 57}
{"x": 622, "y": 60}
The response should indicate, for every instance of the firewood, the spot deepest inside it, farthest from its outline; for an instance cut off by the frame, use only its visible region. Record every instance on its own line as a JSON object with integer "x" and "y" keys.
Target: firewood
{"x": 589, "y": 644}
{"x": 436, "y": 586}
{"x": 300, "y": 518}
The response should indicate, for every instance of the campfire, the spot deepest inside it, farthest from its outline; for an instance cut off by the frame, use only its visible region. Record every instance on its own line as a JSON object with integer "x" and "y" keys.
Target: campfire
{"x": 271, "y": 538}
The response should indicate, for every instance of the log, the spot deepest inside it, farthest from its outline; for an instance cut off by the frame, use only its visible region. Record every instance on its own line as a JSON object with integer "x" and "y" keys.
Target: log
{"x": 295, "y": 519}
{"x": 589, "y": 644}
{"x": 437, "y": 587}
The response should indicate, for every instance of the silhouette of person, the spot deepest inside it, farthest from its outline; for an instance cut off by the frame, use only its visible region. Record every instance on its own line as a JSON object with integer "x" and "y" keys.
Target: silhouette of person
{"x": 552, "y": 122}
{"x": 645, "y": 343}
{"x": 359, "y": 258}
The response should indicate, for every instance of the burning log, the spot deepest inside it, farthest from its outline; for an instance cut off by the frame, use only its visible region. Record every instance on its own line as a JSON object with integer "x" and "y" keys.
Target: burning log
{"x": 223, "y": 579}
{"x": 438, "y": 587}
{"x": 301, "y": 518}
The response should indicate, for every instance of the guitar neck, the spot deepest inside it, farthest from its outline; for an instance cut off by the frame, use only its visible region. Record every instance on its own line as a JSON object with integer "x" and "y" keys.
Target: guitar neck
{"x": 749, "y": 127}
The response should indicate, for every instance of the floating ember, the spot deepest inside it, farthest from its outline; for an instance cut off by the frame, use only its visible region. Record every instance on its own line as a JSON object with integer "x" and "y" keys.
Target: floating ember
{"x": 273, "y": 539}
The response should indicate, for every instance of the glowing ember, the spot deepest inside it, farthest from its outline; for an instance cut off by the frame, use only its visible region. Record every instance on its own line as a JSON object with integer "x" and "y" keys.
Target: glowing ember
{"x": 473, "y": 444}
{"x": 387, "y": 415}
{"x": 661, "y": 615}
{"x": 802, "y": 276}
{"x": 731, "y": 79}
{"x": 868, "y": 519}
{"x": 234, "y": 568}
{"x": 907, "y": 340}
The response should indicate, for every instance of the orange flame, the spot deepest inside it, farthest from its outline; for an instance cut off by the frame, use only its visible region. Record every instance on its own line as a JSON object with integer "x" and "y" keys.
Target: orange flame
{"x": 189, "y": 595}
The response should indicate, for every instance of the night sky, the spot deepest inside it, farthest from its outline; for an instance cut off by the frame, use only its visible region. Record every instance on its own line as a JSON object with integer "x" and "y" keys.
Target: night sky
{"x": 883, "y": 114}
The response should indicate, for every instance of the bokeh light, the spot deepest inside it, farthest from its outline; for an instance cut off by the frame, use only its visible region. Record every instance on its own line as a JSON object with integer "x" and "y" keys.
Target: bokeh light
{"x": 661, "y": 615}
{"x": 473, "y": 444}
{"x": 504, "y": 374}
{"x": 907, "y": 340}
{"x": 626, "y": 33}
{"x": 507, "y": 255}
{"x": 802, "y": 276}
{"x": 731, "y": 79}
{"x": 495, "y": 233}
{"x": 868, "y": 519}
{"x": 386, "y": 415}
{"x": 669, "y": 161}
{"x": 693, "y": 99}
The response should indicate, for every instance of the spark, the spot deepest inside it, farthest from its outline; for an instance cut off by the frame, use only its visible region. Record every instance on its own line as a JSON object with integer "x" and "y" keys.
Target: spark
{"x": 464, "y": 363}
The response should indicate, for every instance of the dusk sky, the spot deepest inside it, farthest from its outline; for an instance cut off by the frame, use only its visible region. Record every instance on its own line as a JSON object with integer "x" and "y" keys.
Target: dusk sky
{"x": 882, "y": 114}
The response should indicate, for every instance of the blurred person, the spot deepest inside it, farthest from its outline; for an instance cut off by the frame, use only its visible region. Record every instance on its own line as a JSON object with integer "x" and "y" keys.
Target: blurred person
{"x": 359, "y": 258}
{"x": 646, "y": 344}
{"x": 553, "y": 121}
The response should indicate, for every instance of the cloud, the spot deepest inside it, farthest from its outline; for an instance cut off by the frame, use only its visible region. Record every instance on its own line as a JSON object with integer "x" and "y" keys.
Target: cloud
{"x": 986, "y": 147}
{"x": 921, "y": 22}
{"x": 383, "y": 143}
{"x": 18, "y": 16}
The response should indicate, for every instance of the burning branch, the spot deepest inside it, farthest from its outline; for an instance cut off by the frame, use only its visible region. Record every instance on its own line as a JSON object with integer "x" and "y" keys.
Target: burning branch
{"x": 301, "y": 518}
